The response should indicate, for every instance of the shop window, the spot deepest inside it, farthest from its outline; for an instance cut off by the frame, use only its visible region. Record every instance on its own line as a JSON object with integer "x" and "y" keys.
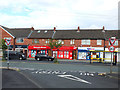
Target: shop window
{"x": 33, "y": 53}
{"x": 99, "y": 42}
{"x": 115, "y": 44}
{"x": 54, "y": 53}
{"x": 72, "y": 41}
{"x": 20, "y": 40}
{"x": 35, "y": 41}
{"x": 85, "y": 42}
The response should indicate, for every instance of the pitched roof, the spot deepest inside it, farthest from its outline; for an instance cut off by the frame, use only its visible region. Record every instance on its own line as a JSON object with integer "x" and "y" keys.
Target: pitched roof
{"x": 41, "y": 34}
{"x": 18, "y": 32}
{"x": 82, "y": 34}
{"x": 112, "y": 33}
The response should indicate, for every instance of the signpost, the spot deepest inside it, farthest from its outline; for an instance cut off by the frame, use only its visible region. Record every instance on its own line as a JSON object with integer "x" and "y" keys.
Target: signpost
{"x": 8, "y": 42}
{"x": 111, "y": 49}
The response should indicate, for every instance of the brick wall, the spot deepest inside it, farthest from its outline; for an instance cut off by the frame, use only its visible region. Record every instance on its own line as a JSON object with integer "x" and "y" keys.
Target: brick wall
{"x": 6, "y": 35}
{"x": 93, "y": 43}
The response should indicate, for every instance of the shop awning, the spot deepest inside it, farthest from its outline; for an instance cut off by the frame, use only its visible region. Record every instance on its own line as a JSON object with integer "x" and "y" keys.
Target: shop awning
{"x": 38, "y": 47}
{"x": 65, "y": 48}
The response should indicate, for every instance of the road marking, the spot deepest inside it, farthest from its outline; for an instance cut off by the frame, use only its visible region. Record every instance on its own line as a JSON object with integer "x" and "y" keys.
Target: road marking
{"x": 48, "y": 72}
{"x": 71, "y": 77}
{"x": 86, "y": 74}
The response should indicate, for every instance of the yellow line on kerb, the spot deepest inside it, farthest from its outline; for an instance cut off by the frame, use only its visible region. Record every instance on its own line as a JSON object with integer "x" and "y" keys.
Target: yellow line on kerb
{"x": 16, "y": 69}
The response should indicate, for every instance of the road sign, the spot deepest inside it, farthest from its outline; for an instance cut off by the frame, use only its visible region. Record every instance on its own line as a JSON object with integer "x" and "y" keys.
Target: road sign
{"x": 8, "y": 42}
{"x": 112, "y": 41}
{"x": 111, "y": 48}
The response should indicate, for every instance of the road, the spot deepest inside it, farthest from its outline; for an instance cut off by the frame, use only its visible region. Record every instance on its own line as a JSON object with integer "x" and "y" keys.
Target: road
{"x": 46, "y": 74}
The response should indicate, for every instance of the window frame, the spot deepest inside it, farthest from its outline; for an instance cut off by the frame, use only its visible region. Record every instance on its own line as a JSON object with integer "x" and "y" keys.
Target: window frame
{"x": 86, "y": 42}
{"x": 18, "y": 40}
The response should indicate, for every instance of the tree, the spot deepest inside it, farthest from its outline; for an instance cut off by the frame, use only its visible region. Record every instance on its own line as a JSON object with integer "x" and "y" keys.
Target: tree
{"x": 3, "y": 46}
{"x": 54, "y": 44}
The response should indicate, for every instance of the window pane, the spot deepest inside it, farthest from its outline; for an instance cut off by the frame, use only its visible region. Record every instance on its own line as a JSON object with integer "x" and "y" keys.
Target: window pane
{"x": 99, "y": 42}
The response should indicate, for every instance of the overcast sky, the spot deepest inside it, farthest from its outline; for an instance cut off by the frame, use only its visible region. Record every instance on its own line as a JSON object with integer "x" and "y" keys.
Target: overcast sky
{"x": 62, "y": 14}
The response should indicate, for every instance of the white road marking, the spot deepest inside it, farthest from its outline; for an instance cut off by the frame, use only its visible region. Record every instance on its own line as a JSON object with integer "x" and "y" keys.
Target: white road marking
{"x": 71, "y": 77}
{"x": 87, "y": 74}
{"x": 48, "y": 72}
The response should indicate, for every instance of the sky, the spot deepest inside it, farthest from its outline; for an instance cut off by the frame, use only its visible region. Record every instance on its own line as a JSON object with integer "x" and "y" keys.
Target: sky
{"x": 62, "y": 14}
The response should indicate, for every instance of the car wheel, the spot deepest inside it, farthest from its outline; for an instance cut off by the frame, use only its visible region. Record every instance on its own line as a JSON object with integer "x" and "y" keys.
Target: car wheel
{"x": 6, "y": 58}
{"x": 52, "y": 59}
{"x": 38, "y": 59}
{"x": 20, "y": 58}
{"x": 48, "y": 59}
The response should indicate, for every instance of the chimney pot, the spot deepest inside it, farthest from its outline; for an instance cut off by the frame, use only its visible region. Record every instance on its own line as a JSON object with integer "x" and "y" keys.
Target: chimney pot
{"x": 54, "y": 29}
{"x": 32, "y": 28}
{"x": 103, "y": 28}
{"x": 78, "y": 29}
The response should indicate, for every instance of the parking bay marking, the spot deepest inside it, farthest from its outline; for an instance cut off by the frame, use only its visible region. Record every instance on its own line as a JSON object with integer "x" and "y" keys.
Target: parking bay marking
{"x": 71, "y": 77}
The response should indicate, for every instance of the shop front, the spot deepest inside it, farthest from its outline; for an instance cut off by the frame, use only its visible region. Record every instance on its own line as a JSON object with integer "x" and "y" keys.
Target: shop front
{"x": 85, "y": 52}
{"x": 65, "y": 52}
{"x": 20, "y": 48}
{"x": 33, "y": 50}
{"x": 115, "y": 55}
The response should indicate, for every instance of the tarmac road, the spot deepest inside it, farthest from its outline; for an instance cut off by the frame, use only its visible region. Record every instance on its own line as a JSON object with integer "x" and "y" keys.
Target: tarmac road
{"x": 45, "y": 74}
{"x": 13, "y": 79}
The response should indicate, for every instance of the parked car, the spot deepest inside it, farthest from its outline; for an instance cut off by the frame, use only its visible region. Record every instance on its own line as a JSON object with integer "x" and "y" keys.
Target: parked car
{"x": 40, "y": 56}
{"x": 14, "y": 55}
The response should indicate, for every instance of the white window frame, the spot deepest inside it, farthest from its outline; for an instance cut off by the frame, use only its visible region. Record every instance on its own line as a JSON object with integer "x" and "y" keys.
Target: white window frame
{"x": 47, "y": 41}
{"x": 72, "y": 41}
{"x": 85, "y": 42}
{"x": 99, "y": 42}
{"x": 18, "y": 40}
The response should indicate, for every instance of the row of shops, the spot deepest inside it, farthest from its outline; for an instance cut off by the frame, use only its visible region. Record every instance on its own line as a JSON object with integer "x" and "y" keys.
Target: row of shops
{"x": 69, "y": 52}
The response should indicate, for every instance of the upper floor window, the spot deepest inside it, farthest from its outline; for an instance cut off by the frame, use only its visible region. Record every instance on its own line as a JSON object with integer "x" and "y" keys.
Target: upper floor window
{"x": 72, "y": 41}
{"x": 20, "y": 40}
{"x": 35, "y": 41}
{"x": 47, "y": 41}
{"x": 85, "y": 42}
{"x": 115, "y": 44}
{"x": 99, "y": 42}
{"x": 60, "y": 41}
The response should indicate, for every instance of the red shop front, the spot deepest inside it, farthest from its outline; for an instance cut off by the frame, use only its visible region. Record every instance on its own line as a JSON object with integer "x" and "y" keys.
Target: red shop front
{"x": 64, "y": 52}
{"x": 33, "y": 50}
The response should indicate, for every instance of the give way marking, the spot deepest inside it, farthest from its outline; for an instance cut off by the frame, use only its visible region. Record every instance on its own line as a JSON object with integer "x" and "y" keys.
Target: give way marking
{"x": 71, "y": 77}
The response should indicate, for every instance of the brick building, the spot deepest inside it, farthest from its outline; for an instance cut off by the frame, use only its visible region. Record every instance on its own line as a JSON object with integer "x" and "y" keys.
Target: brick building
{"x": 76, "y": 43}
{"x": 18, "y": 36}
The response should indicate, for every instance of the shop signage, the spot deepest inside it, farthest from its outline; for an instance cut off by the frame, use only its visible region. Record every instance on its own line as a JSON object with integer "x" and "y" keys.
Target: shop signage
{"x": 38, "y": 47}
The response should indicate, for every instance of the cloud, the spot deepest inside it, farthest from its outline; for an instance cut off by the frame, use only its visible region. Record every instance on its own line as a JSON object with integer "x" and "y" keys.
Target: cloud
{"x": 60, "y": 13}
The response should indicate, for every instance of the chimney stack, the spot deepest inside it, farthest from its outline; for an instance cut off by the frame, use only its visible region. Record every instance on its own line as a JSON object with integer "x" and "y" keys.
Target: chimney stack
{"x": 78, "y": 29}
{"x": 54, "y": 29}
{"x": 103, "y": 29}
{"x": 32, "y": 28}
